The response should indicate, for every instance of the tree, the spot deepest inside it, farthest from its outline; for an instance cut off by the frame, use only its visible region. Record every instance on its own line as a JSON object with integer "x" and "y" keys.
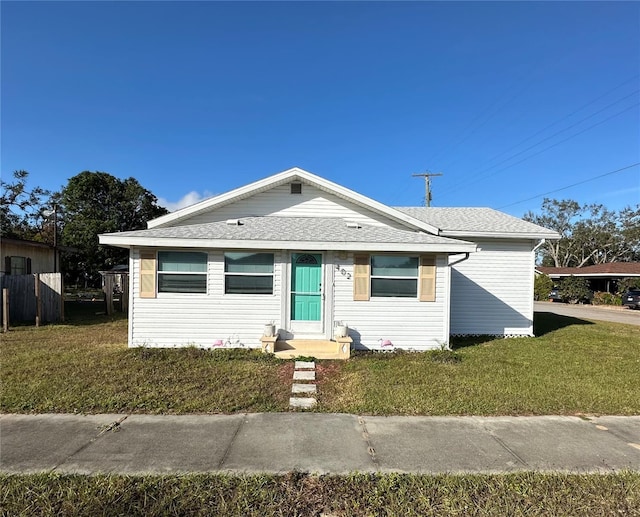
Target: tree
{"x": 542, "y": 287}
{"x": 21, "y": 209}
{"x": 590, "y": 234}
{"x": 95, "y": 203}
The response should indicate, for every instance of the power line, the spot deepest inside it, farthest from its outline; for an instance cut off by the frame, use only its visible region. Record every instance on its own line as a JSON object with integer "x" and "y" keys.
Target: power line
{"x": 563, "y": 130}
{"x": 475, "y": 180}
{"x": 635, "y": 77}
{"x": 570, "y": 186}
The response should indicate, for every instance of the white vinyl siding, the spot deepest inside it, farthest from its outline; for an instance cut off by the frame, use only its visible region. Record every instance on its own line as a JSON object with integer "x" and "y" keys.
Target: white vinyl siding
{"x": 407, "y": 322}
{"x": 279, "y": 201}
{"x": 183, "y": 319}
{"x": 492, "y": 291}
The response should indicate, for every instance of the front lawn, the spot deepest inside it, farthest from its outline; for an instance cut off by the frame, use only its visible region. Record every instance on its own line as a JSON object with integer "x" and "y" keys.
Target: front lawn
{"x": 530, "y": 494}
{"x": 572, "y": 367}
{"x": 85, "y": 366}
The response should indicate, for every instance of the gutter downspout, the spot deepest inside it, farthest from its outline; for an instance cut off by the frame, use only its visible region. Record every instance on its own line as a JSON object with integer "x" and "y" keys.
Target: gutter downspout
{"x": 535, "y": 248}
{"x": 447, "y": 328}
{"x": 466, "y": 256}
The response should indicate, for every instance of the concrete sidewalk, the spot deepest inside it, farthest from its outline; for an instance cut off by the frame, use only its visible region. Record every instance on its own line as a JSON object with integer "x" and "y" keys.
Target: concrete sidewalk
{"x": 315, "y": 442}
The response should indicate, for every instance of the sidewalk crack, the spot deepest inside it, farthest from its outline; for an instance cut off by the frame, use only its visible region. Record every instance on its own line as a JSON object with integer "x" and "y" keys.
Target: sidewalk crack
{"x": 507, "y": 448}
{"x": 113, "y": 426}
{"x": 231, "y": 442}
{"x": 367, "y": 438}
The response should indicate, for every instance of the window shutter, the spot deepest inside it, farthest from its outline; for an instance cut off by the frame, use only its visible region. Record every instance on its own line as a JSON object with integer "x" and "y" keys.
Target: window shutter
{"x": 7, "y": 265}
{"x": 147, "y": 274}
{"x": 28, "y": 266}
{"x": 427, "y": 278}
{"x": 361, "y": 277}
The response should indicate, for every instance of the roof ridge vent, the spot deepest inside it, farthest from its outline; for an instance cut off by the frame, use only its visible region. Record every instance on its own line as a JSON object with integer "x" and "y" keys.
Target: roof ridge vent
{"x": 351, "y": 224}
{"x": 234, "y": 222}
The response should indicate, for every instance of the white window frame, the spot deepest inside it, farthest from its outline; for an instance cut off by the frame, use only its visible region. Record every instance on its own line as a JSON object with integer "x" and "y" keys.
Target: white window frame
{"x": 394, "y": 277}
{"x": 244, "y": 274}
{"x": 191, "y": 273}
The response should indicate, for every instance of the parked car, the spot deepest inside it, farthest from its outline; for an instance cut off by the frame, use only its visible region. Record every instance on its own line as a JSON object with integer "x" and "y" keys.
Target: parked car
{"x": 554, "y": 295}
{"x": 631, "y": 299}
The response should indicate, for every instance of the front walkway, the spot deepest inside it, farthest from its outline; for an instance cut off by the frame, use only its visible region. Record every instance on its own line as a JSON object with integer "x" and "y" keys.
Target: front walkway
{"x": 315, "y": 442}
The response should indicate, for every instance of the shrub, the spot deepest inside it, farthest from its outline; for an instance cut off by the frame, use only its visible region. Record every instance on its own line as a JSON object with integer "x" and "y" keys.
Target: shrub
{"x": 574, "y": 289}
{"x": 542, "y": 287}
{"x": 604, "y": 298}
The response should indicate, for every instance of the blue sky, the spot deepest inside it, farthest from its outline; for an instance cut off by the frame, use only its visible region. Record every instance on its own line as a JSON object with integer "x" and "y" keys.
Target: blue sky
{"x": 507, "y": 99}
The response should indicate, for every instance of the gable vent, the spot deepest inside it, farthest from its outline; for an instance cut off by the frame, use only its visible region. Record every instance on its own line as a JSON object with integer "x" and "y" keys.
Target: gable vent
{"x": 296, "y": 188}
{"x": 234, "y": 222}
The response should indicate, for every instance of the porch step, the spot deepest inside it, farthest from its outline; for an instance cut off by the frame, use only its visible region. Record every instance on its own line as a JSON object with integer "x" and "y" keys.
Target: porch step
{"x": 318, "y": 348}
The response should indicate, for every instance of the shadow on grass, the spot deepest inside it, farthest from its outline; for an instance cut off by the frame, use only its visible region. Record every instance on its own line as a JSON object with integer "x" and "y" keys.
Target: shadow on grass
{"x": 88, "y": 313}
{"x": 546, "y": 322}
{"x": 458, "y": 342}
{"x": 543, "y": 323}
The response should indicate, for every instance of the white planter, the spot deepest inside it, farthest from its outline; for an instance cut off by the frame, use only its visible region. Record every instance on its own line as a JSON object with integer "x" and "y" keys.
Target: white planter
{"x": 269, "y": 330}
{"x": 341, "y": 331}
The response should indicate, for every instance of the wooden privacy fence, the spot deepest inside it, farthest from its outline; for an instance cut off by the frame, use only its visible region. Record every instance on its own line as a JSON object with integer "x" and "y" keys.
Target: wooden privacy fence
{"x": 116, "y": 286}
{"x": 37, "y": 298}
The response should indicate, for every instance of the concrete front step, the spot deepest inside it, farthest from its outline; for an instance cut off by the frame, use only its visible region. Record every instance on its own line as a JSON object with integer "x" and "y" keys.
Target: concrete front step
{"x": 305, "y": 365}
{"x": 317, "y": 348}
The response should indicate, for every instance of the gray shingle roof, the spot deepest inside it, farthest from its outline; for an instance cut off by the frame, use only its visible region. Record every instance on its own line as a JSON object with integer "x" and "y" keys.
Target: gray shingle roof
{"x": 311, "y": 229}
{"x": 471, "y": 220}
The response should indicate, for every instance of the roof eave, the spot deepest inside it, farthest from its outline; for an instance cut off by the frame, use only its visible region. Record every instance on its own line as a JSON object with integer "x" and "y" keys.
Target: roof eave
{"x": 499, "y": 235}
{"x": 163, "y": 242}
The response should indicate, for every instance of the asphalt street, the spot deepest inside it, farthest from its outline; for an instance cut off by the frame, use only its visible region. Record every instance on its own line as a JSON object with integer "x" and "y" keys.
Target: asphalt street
{"x": 591, "y": 312}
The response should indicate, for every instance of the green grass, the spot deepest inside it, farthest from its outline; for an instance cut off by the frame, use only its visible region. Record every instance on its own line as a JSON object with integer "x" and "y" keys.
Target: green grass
{"x": 572, "y": 367}
{"x": 84, "y": 366}
{"x": 519, "y": 494}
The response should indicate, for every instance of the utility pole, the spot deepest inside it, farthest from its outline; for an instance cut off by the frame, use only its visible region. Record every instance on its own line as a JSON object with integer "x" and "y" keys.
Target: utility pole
{"x": 427, "y": 185}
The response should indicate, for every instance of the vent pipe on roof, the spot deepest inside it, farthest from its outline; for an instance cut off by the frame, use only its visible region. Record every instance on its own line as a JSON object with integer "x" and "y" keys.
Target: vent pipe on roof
{"x": 353, "y": 225}
{"x": 234, "y": 222}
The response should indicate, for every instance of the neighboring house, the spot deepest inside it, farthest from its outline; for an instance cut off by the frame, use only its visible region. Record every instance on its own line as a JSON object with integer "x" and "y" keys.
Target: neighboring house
{"x": 601, "y": 277}
{"x": 21, "y": 257}
{"x": 305, "y": 253}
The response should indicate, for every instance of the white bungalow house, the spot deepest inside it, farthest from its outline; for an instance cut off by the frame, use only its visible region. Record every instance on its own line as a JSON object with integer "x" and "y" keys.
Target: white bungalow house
{"x": 307, "y": 254}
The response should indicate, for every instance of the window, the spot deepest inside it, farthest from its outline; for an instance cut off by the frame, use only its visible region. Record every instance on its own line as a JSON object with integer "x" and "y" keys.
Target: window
{"x": 19, "y": 266}
{"x": 393, "y": 276}
{"x": 182, "y": 272}
{"x": 248, "y": 273}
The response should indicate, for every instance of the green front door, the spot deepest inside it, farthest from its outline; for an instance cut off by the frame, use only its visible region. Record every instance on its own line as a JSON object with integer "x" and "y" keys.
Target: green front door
{"x": 306, "y": 287}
